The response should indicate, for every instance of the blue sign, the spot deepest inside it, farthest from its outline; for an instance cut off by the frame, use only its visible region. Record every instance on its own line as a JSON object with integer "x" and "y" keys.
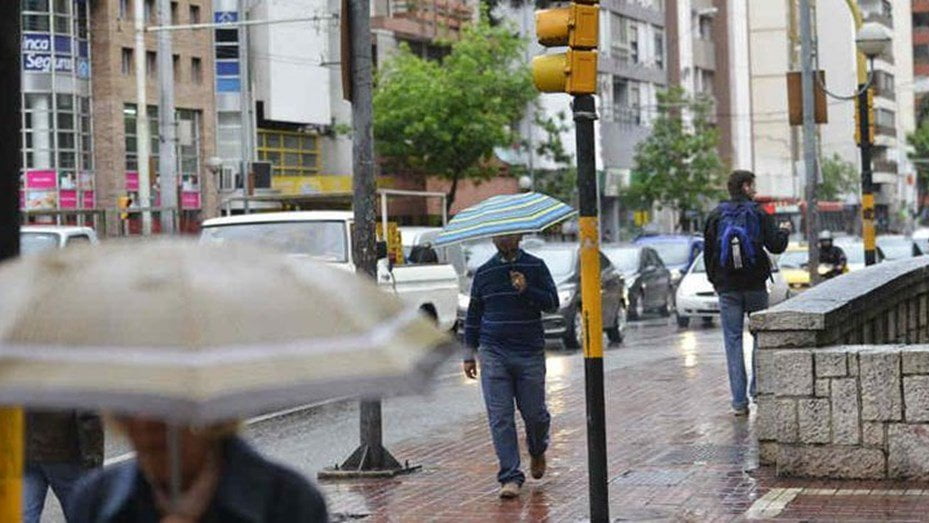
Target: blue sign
{"x": 83, "y": 68}
{"x": 228, "y": 85}
{"x": 62, "y": 44}
{"x": 227, "y": 68}
{"x": 37, "y": 42}
{"x": 225, "y": 17}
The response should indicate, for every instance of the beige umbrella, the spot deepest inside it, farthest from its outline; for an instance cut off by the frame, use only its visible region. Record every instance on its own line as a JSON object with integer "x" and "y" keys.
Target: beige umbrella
{"x": 193, "y": 334}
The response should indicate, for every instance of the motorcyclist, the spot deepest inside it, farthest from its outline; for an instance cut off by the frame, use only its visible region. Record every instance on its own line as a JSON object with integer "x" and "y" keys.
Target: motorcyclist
{"x": 831, "y": 255}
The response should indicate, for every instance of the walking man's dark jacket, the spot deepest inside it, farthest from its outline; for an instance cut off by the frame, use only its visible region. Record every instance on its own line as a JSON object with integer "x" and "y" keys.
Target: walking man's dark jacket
{"x": 502, "y": 318}
{"x": 772, "y": 238}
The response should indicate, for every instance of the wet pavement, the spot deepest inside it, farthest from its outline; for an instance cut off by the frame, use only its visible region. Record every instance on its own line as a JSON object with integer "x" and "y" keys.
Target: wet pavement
{"x": 675, "y": 451}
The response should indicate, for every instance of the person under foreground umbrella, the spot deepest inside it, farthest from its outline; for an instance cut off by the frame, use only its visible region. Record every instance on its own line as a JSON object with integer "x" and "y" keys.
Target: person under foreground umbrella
{"x": 504, "y": 326}
{"x": 222, "y": 480}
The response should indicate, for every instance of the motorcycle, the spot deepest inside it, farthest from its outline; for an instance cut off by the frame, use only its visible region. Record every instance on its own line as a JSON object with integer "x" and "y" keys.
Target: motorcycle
{"x": 829, "y": 270}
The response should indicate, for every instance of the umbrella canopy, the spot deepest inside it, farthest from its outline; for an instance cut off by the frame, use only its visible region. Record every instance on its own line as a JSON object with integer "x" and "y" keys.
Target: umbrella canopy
{"x": 194, "y": 334}
{"x": 505, "y": 214}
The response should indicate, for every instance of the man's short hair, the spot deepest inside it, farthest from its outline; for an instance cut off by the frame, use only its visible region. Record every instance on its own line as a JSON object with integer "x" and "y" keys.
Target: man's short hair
{"x": 737, "y": 179}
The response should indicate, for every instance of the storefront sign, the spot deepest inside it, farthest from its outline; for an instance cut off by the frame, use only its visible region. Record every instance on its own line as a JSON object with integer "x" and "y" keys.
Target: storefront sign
{"x": 190, "y": 200}
{"x": 41, "y": 200}
{"x": 67, "y": 199}
{"x": 38, "y": 54}
{"x": 132, "y": 181}
{"x": 87, "y": 200}
{"x": 46, "y": 179}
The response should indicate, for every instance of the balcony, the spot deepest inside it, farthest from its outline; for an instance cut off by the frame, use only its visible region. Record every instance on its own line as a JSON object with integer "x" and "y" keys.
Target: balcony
{"x": 421, "y": 19}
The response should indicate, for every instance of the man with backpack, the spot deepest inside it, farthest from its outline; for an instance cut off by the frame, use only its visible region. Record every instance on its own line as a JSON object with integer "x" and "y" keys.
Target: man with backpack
{"x": 736, "y": 236}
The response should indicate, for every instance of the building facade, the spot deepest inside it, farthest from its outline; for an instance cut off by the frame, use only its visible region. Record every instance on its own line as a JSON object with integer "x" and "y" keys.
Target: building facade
{"x": 79, "y": 106}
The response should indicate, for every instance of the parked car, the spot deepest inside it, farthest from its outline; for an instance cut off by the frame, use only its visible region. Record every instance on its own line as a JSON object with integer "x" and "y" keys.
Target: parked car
{"x": 794, "y": 265}
{"x": 921, "y": 237}
{"x": 649, "y": 283}
{"x": 677, "y": 251}
{"x": 325, "y": 236}
{"x": 34, "y": 239}
{"x": 897, "y": 247}
{"x": 696, "y": 297}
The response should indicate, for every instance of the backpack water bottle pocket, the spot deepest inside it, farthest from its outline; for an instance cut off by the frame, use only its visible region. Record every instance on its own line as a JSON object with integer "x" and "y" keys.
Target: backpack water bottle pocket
{"x": 736, "y": 246}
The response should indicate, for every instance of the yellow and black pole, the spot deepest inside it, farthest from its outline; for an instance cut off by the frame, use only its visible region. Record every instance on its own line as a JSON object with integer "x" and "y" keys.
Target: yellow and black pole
{"x": 11, "y": 419}
{"x": 575, "y": 72}
{"x": 864, "y": 135}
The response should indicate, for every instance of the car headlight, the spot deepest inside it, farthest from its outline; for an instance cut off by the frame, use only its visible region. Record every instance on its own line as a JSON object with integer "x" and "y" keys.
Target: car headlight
{"x": 464, "y": 301}
{"x": 565, "y": 296}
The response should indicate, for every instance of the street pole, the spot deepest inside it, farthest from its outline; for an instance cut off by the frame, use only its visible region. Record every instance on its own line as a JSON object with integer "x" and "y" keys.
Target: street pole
{"x": 167, "y": 124}
{"x": 585, "y": 113}
{"x": 12, "y": 422}
{"x": 143, "y": 142}
{"x": 809, "y": 138}
{"x": 370, "y": 456}
{"x": 245, "y": 103}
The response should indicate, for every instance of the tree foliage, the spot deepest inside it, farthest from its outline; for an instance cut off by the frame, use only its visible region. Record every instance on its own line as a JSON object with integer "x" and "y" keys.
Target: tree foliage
{"x": 678, "y": 166}
{"x": 444, "y": 118}
{"x": 919, "y": 141}
{"x": 840, "y": 178}
{"x": 560, "y": 182}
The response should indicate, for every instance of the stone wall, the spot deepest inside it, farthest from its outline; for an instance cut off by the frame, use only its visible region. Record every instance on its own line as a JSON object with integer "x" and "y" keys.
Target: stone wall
{"x": 843, "y": 380}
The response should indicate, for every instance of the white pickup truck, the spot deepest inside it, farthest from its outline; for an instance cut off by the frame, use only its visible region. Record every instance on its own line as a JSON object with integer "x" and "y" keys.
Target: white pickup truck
{"x": 326, "y": 236}
{"x": 34, "y": 239}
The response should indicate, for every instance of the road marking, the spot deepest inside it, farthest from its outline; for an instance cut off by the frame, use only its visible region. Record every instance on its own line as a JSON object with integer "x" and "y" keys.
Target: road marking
{"x": 772, "y": 504}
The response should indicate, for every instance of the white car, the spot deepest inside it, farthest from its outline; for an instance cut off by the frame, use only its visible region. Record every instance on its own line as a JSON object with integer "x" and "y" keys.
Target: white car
{"x": 696, "y": 297}
{"x": 34, "y": 239}
{"x": 325, "y": 236}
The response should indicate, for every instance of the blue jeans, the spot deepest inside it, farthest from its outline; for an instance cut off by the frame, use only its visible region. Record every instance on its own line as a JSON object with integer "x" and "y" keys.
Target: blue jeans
{"x": 508, "y": 378}
{"x": 733, "y": 306}
{"x": 38, "y": 477}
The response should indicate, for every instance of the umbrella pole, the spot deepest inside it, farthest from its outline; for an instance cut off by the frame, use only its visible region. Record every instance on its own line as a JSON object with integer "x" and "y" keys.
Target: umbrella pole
{"x": 174, "y": 457}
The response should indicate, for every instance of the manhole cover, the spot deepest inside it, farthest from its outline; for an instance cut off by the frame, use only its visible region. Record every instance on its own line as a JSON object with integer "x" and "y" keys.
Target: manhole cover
{"x": 655, "y": 477}
{"x": 690, "y": 454}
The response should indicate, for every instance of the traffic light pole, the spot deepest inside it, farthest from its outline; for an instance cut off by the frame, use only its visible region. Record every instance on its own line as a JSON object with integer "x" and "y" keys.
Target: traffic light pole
{"x": 12, "y": 422}
{"x": 867, "y": 181}
{"x": 584, "y": 115}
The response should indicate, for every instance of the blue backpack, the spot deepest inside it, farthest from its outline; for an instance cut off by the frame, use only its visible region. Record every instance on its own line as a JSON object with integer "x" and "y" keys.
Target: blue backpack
{"x": 739, "y": 233}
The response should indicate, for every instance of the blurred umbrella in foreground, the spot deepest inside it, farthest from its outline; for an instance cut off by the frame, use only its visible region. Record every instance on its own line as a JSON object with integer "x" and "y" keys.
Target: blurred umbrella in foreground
{"x": 505, "y": 214}
{"x": 193, "y": 334}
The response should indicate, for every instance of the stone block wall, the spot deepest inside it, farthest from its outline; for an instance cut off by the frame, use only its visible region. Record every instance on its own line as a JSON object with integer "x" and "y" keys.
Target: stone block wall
{"x": 843, "y": 377}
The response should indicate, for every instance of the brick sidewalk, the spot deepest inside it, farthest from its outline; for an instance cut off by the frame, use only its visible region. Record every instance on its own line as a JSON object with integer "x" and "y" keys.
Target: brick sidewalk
{"x": 676, "y": 453}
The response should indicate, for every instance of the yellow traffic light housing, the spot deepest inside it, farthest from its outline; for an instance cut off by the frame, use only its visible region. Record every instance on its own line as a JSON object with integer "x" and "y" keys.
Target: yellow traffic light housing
{"x": 575, "y": 71}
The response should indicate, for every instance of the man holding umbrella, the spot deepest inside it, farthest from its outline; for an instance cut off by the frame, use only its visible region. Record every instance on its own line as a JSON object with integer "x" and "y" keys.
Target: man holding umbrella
{"x": 504, "y": 330}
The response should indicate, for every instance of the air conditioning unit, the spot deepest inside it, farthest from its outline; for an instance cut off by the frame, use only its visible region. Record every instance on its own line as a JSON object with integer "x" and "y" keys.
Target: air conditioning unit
{"x": 227, "y": 179}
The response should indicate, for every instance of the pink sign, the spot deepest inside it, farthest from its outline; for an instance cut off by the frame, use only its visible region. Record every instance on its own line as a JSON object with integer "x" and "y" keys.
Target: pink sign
{"x": 67, "y": 199}
{"x": 132, "y": 181}
{"x": 190, "y": 200}
{"x": 41, "y": 179}
{"x": 87, "y": 200}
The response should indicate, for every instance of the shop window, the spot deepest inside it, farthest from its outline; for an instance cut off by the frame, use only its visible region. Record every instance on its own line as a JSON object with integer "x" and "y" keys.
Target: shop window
{"x": 290, "y": 153}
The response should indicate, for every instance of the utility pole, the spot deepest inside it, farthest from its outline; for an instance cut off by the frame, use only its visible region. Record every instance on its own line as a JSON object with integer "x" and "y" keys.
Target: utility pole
{"x": 245, "y": 107}
{"x": 370, "y": 458}
{"x": 809, "y": 138}
{"x": 12, "y": 423}
{"x": 585, "y": 113}
{"x": 167, "y": 123}
{"x": 143, "y": 142}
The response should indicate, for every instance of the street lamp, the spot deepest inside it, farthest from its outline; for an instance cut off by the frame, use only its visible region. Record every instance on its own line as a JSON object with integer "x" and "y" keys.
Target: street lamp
{"x": 872, "y": 40}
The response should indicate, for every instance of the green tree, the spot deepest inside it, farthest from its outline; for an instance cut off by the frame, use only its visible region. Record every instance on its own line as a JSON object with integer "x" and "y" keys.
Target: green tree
{"x": 840, "y": 178}
{"x": 677, "y": 166}
{"x": 560, "y": 182}
{"x": 919, "y": 141}
{"x": 444, "y": 118}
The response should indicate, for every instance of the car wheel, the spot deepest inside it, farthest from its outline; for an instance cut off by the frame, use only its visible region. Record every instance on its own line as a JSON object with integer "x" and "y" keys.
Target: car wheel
{"x": 708, "y": 321}
{"x": 574, "y": 335}
{"x": 637, "y": 308}
{"x": 683, "y": 321}
{"x": 617, "y": 332}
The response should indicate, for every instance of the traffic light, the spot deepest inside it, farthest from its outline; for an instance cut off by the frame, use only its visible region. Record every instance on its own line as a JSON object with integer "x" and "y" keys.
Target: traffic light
{"x": 574, "y": 71}
{"x": 123, "y": 202}
{"x": 871, "y": 118}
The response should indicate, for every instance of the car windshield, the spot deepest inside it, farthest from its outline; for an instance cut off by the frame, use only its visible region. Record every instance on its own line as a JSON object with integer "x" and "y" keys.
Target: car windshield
{"x": 321, "y": 240}
{"x": 699, "y": 265}
{"x": 560, "y": 262}
{"x": 36, "y": 242}
{"x": 895, "y": 248}
{"x": 794, "y": 259}
{"x": 625, "y": 260}
{"x": 673, "y": 253}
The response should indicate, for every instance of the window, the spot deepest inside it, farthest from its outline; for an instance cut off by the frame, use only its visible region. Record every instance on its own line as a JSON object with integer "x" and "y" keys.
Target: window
{"x": 127, "y": 62}
{"x": 633, "y": 34}
{"x": 176, "y": 61}
{"x": 196, "y": 70}
{"x": 149, "y": 11}
{"x": 130, "y": 115}
{"x": 124, "y": 9}
{"x": 659, "y": 48}
{"x": 921, "y": 52}
{"x": 920, "y": 21}
{"x": 290, "y": 153}
{"x": 151, "y": 63}
{"x": 195, "y": 14}
{"x": 175, "y": 18}
{"x": 885, "y": 118}
{"x": 705, "y": 26}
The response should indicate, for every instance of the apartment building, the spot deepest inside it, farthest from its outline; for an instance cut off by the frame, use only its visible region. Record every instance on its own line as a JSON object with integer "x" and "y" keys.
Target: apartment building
{"x": 79, "y": 106}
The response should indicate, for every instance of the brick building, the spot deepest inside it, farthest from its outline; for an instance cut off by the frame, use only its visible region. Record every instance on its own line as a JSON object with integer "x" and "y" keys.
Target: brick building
{"x": 79, "y": 103}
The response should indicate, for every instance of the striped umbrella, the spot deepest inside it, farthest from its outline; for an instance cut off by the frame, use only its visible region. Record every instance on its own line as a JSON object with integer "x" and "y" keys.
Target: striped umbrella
{"x": 505, "y": 214}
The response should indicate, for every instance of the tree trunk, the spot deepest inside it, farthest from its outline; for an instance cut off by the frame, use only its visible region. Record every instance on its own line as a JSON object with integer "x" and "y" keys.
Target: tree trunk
{"x": 452, "y": 192}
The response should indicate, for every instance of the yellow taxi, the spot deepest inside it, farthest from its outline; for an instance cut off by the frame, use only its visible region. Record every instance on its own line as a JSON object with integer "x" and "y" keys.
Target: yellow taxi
{"x": 795, "y": 267}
